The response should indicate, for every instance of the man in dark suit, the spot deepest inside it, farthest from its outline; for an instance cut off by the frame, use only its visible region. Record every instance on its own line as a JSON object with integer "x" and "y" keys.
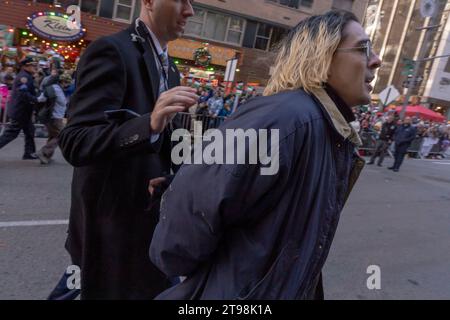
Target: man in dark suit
{"x": 20, "y": 111}
{"x": 404, "y": 135}
{"x": 115, "y": 153}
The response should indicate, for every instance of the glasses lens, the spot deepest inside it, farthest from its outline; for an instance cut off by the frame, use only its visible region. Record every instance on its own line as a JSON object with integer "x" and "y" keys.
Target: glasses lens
{"x": 368, "y": 49}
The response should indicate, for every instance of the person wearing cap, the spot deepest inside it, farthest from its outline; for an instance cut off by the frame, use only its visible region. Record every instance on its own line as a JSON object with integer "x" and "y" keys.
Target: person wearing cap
{"x": 20, "y": 110}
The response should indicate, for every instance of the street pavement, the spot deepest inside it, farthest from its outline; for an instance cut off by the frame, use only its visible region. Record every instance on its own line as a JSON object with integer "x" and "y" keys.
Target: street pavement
{"x": 399, "y": 222}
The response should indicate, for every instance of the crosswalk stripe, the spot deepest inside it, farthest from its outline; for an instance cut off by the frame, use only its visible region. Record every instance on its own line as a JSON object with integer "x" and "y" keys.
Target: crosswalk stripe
{"x": 33, "y": 223}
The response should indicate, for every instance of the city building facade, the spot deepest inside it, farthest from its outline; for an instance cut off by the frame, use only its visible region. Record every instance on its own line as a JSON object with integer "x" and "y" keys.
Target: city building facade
{"x": 219, "y": 31}
{"x": 403, "y": 33}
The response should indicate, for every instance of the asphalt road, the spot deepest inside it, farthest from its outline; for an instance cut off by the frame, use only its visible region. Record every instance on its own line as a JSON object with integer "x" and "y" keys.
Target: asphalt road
{"x": 399, "y": 222}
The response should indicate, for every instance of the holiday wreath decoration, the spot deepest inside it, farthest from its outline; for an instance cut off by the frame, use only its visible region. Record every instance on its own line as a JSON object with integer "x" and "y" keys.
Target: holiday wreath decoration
{"x": 202, "y": 57}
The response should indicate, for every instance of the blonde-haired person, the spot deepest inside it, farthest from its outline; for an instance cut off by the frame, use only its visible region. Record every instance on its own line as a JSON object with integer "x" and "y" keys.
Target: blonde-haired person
{"x": 267, "y": 236}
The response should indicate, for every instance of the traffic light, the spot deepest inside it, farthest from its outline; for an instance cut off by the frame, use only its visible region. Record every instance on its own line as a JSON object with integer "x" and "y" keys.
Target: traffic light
{"x": 408, "y": 67}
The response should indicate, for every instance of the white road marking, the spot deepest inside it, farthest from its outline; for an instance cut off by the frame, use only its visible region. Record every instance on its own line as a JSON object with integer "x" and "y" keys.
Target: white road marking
{"x": 433, "y": 160}
{"x": 33, "y": 223}
{"x": 447, "y": 163}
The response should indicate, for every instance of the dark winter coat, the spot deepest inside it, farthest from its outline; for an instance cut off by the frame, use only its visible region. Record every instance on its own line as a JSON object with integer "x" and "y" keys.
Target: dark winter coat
{"x": 110, "y": 227}
{"x": 237, "y": 234}
{"x": 388, "y": 131}
{"x": 23, "y": 97}
{"x": 404, "y": 135}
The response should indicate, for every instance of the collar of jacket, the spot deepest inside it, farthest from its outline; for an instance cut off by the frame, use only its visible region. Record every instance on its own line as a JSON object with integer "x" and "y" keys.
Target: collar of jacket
{"x": 337, "y": 119}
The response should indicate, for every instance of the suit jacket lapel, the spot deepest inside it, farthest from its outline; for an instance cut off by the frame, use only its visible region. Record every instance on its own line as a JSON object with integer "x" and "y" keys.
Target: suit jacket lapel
{"x": 152, "y": 71}
{"x": 152, "y": 68}
{"x": 150, "y": 63}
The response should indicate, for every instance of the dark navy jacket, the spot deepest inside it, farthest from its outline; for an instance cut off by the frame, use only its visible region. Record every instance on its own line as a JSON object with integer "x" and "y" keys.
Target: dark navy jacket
{"x": 404, "y": 135}
{"x": 237, "y": 234}
{"x": 23, "y": 97}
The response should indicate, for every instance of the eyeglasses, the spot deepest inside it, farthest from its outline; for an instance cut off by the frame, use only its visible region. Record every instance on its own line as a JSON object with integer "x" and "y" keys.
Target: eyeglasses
{"x": 365, "y": 48}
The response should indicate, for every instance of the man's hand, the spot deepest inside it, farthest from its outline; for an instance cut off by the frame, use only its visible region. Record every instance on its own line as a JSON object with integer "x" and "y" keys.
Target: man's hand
{"x": 154, "y": 183}
{"x": 170, "y": 102}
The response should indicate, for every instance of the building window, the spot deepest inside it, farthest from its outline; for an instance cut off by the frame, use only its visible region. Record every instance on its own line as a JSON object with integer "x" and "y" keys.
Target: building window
{"x": 195, "y": 23}
{"x": 343, "y": 4}
{"x": 235, "y": 30}
{"x": 137, "y": 10}
{"x": 89, "y": 6}
{"x": 294, "y": 3}
{"x": 216, "y": 26}
{"x": 123, "y": 10}
{"x": 307, "y": 3}
{"x": 267, "y": 36}
{"x": 277, "y": 35}
{"x": 262, "y": 38}
{"x": 66, "y": 3}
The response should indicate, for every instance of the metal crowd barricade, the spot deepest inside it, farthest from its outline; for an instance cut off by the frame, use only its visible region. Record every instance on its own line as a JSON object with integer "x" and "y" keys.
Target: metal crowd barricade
{"x": 436, "y": 150}
{"x": 415, "y": 147}
{"x": 369, "y": 142}
{"x": 208, "y": 122}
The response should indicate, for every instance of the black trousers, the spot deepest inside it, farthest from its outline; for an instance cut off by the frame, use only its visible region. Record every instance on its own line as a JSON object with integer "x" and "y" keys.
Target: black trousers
{"x": 400, "y": 152}
{"x": 380, "y": 151}
{"x": 13, "y": 131}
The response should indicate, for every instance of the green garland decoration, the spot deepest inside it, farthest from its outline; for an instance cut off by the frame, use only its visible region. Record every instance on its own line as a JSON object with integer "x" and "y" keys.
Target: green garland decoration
{"x": 202, "y": 57}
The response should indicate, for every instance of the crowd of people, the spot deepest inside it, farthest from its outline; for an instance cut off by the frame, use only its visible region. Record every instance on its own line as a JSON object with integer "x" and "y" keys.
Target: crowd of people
{"x": 34, "y": 92}
{"x": 213, "y": 102}
{"x": 141, "y": 227}
{"x": 432, "y": 139}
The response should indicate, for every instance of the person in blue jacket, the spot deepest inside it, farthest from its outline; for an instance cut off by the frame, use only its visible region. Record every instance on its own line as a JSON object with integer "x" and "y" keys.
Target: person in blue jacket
{"x": 21, "y": 107}
{"x": 404, "y": 135}
{"x": 237, "y": 231}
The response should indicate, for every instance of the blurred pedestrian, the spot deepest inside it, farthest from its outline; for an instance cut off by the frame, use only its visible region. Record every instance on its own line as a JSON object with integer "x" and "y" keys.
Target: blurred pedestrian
{"x": 384, "y": 141}
{"x": 20, "y": 109}
{"x": 53, "y": 112}
{"x": 404, "y": 135}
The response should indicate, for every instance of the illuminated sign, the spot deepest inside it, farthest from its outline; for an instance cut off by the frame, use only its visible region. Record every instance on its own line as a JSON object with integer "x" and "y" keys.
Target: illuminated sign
{"x": 54, "y": 26}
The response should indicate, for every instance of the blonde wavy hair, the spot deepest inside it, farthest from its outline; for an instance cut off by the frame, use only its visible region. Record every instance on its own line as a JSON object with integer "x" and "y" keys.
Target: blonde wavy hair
{"x": 304, "y": 56}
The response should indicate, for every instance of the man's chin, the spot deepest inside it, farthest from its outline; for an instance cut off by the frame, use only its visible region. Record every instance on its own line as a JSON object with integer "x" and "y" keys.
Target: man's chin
{"x": 366, "y": 99}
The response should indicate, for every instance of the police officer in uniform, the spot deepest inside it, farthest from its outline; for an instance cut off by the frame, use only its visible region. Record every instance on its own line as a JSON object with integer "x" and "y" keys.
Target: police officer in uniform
{"x": 384, "y": 141}
{"x": 20, "y": 110}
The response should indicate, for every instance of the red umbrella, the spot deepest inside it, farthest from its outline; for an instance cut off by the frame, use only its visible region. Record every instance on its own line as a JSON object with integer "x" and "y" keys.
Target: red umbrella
{"x": 422, "y": 113}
